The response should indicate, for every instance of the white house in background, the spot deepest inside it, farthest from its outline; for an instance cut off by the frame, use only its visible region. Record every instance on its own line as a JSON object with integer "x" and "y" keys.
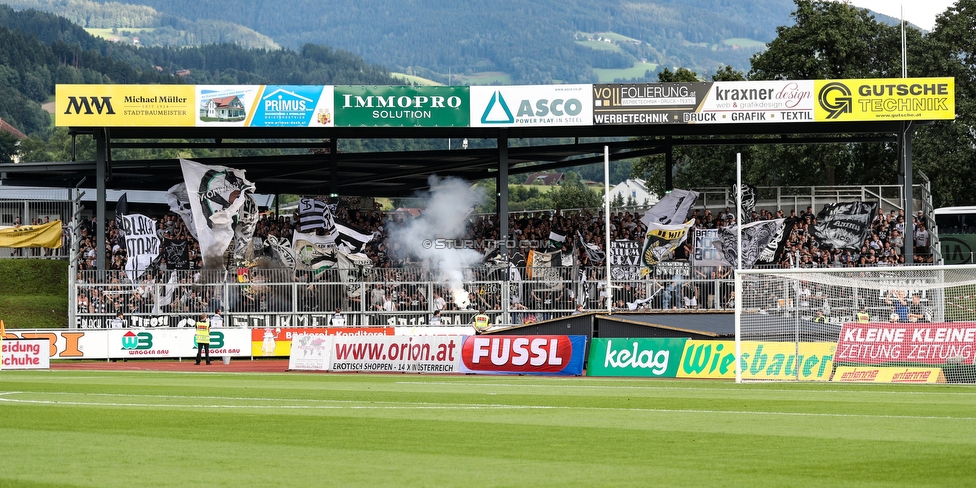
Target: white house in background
{"x": 635, "y": 189}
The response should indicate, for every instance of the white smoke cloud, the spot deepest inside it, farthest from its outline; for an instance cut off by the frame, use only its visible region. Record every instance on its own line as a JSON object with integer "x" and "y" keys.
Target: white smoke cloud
{"x": 448, "y": 204}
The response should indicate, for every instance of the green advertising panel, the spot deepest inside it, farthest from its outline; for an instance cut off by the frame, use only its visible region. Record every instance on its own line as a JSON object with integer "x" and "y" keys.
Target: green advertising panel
{"x": 657, "y": 358}
{"x": 402, "y": 106}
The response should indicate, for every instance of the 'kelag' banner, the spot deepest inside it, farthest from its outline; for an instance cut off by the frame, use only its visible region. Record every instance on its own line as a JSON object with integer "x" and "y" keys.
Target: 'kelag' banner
{"x": 656, "y": 358}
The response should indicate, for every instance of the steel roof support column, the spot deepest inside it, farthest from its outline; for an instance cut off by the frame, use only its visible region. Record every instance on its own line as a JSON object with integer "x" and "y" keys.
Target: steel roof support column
{"x": 333, "y": 167}
{"x": 669, "y": 165}
{"x": 101, "y": 165}
{"x": 502, "y": 205}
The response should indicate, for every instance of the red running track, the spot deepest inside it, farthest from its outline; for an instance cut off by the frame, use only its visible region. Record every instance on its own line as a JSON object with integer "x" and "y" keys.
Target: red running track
{"x": 237, "y": 365}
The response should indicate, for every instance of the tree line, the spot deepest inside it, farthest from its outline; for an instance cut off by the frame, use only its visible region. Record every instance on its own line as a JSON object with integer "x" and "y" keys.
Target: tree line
{"x": 833, "y": 40}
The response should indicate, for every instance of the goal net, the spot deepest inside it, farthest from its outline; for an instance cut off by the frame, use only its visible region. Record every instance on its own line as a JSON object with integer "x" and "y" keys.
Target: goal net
{"x": 911, "y": 324}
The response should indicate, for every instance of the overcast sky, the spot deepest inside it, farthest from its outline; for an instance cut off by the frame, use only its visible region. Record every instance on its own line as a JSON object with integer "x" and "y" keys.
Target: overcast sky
{"x": 919, "y": 12}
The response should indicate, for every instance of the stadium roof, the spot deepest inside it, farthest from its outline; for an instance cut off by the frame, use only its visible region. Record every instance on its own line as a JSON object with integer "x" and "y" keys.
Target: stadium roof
{"x": 313, "y": 170}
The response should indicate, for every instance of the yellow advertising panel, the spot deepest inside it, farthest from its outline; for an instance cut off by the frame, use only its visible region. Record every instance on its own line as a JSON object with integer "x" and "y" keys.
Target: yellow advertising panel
{"x": 889, "y": 375}
{"x": 44, "y": 235}
{"x": 125, "y": 105}
{"x": 812, "y": 361}
{"x": 884, "y": 99}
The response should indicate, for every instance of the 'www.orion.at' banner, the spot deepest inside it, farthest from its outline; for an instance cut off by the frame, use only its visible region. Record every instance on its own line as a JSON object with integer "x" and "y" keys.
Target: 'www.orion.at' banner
{"x": 536, "y": 355}
{"x": 686, "y": 358}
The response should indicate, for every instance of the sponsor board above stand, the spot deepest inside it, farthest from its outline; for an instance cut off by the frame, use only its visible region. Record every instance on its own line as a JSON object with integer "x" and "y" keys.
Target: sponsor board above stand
{"x": 531, "y": 106}
{"x": 402, "y": 106}
{"x": 739, "y": 102}
{"x": 720, "y": 102}
{"x": 646, "y": 103}
{"x": 885, "y": 99}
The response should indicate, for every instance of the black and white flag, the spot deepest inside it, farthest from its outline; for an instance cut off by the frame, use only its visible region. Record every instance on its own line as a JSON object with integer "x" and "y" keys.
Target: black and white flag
{"x": 179, "y": 203}
{"x": 672, "y": 209}
{"x": 216, "y": 195}
{"x": 141, "y": 243}
{"x": 556, "y": 239}
{"x": 244, "y": 225}
{"x": 773, "y": 251}
{"x": 755, "y": 237}
{"x": 593, "y": 252}
{"x": 844, "y": 225}
{"x": 661, "y": 241}
{"x": 350, "y": 239}
{"x": 177, "y": 253}
{"x": 313, "y": 252}
{"x": 748, "y": 203}
{"x": 316, "y": 216}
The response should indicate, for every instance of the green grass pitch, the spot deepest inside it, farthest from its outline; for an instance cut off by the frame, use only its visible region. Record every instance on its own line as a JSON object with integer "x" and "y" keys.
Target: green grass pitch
{"x": 105, "y": 429}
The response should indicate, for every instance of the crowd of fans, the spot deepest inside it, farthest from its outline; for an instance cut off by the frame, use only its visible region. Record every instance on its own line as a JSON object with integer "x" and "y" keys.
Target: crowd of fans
{"x": 394, "y": 287}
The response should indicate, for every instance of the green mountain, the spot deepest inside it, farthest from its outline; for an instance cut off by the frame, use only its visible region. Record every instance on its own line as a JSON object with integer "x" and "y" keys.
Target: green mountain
{"x": 473, "y": 41}
{"x": 41, "y": 50}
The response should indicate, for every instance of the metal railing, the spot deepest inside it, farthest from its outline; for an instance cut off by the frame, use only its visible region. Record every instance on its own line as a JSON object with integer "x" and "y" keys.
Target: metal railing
{"x": 377, "y": 297}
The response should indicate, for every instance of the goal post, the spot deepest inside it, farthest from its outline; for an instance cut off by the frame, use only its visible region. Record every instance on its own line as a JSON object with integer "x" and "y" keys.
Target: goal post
{"x": 907, "y": 324}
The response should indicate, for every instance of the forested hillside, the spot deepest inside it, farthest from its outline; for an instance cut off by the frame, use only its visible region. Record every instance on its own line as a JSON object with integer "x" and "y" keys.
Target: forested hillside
{"x": 121, "y": 20}
{"x": 542, "y": 41}
{"x": 41, "y": 50}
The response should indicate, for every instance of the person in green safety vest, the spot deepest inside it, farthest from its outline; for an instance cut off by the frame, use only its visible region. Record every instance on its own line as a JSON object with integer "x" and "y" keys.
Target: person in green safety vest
{"x": 203, "y": 337}
{"x": 480, "y": 322}
{"x": 820, "y": 318}
{"x": 863, "y": 317}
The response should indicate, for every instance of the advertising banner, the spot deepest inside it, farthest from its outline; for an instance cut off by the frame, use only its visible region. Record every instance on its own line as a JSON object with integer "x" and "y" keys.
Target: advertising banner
{"x": 293, "y": 106}
{"x": 131, "y": 343}
{"x": 402, "y": 106}
{"x": 124, "y": 105}
{"x": 225, "y": 105}
{"x": 401, "y": 354}
{"x": 760, "y": 360}
{"x": 277, "y": 341}
{"x": 25, "y": 354}
{"x": 531, "y": 105}
{"x": 174, "y": 343}
{"x": 916, "y": 343}
{"x": 889, "y": 375}
{"x": 885, "y": 99}
{"x": 541, "y": 355}
{"x": 65, "y": 344}
{"x": 738, "y": 102}
{"x": 655, "y": 358}
{"x": 646, "y": 103}
{"x": 310, "y": 352}
{"x": 43, "y": 235}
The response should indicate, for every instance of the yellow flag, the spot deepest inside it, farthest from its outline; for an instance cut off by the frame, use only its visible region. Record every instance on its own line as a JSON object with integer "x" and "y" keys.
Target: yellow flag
{"x": 43, "y": 235}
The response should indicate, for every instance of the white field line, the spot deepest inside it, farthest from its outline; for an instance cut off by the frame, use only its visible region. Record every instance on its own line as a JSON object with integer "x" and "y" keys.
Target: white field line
{"x": 5, "y": 397}
{"x": 970, "y": 389}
